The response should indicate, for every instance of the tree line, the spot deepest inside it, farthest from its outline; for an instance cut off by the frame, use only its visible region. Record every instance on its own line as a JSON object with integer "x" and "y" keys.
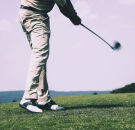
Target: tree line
{"x": 126, "y": 89}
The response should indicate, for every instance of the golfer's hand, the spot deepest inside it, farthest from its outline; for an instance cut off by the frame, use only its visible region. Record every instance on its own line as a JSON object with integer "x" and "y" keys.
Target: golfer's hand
{"x": 76, "y": 20}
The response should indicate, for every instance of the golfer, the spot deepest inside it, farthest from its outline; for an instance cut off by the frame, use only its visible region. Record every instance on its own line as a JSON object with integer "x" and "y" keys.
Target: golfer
{"x": 34, "y": 20}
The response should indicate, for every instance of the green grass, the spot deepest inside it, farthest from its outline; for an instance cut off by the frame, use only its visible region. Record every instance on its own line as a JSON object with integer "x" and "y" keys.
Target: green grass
{"x": 91, "y": 112}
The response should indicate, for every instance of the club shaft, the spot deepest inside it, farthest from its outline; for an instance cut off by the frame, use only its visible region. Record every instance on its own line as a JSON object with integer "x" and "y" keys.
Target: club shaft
{"x": 97, "y": 35}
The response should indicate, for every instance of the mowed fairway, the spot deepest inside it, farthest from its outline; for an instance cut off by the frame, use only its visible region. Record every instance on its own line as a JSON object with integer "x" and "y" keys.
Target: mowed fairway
{"x": 91, "y": 112}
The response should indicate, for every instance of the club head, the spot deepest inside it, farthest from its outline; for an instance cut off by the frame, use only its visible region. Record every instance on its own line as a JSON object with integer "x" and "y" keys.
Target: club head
{"x": 117, "y": 46}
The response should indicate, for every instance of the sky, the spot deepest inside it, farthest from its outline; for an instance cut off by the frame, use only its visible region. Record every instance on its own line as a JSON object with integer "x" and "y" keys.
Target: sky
{"x": 79, "y": 60}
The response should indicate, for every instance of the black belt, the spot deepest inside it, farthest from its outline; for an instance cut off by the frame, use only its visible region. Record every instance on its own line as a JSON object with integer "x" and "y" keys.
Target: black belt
{"x": 30, "y": 8}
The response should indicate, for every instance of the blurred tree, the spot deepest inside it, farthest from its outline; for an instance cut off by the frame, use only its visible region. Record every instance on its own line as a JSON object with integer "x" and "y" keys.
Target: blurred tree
{"x": 127, "y": 89}
{"x": 14, "y": 101}
{"x": 95, "y": 93}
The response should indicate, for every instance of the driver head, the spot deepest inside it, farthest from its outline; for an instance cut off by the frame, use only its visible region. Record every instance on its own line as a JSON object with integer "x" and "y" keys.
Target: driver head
{"x": 117, "y": 45}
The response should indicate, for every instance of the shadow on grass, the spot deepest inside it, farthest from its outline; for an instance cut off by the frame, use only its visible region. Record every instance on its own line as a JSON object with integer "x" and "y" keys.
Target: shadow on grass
{"x": 97, "y": 106}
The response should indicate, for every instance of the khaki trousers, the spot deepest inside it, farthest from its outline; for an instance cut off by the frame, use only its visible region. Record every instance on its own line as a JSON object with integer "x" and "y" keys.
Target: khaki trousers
{"x": 37, "y": 29}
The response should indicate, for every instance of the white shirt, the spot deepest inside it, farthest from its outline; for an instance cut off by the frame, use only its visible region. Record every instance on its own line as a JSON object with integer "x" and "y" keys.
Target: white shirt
{"x": 44, "y": 5}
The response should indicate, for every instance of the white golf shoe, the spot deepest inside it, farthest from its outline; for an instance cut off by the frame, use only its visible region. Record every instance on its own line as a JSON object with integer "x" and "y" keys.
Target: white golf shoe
{"x": 50, "y": 105}
{"x": 30, "y": 105}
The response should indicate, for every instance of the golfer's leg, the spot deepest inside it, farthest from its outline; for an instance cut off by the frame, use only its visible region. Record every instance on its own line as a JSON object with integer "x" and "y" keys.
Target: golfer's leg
{"x": 42, "y": 90}
{"x": 22, "y": 17}
{"x": 40, "y": 35}
{"x": 29, "y": 40}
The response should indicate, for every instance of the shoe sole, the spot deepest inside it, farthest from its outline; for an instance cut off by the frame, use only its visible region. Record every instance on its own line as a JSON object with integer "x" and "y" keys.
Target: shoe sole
{"x": 49, "y": 109}
{"x": 22, "y": 106}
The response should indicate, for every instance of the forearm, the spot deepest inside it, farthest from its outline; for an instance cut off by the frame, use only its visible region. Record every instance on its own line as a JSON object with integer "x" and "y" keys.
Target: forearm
{"x": 70, "y": 5}
{"x": 67, "y": 10}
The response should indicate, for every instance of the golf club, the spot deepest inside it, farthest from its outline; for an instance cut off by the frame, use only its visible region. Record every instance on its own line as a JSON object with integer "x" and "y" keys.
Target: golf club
{"x": 116, "y": 46}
